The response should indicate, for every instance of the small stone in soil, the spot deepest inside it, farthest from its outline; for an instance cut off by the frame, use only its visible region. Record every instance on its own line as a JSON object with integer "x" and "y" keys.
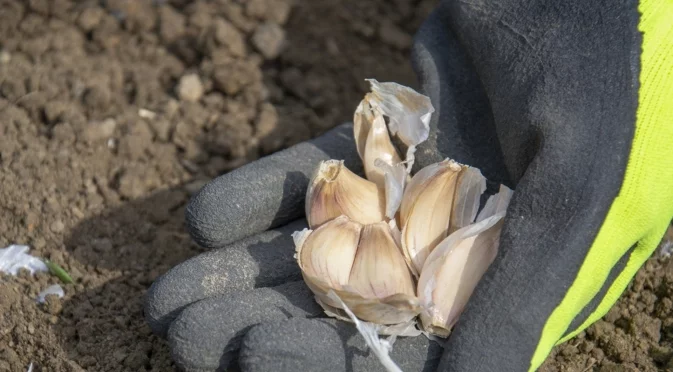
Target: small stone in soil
{"x": 100, "y": 130}
{"x": 39, "y": 242}
{"x": 161, "y": 128}
{"x": 270, "y": 10}
{"x": 190, "y": 88}
{"x": 171, "y": 24}
{"x": 232, "y": 78}
{"x": 5, "y": 57}
{"x": 53, "y": 304}
{"x": 267, "y": 120}
{"x": 269, "y": 39}
{"x": 136, "y": 360}
{"x": 90, "y": 18}
{"x": 57, "y": 226}
{"x": 226, "y": 34}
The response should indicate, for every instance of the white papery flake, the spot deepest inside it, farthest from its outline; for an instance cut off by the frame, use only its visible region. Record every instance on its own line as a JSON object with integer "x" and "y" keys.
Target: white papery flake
{"x": 408, "y": 111}
{"x": 369, "y": 331}
{"x": 395, "y": 177}
{"x": 14, "y": 258}
{"x": 52, "y": 289}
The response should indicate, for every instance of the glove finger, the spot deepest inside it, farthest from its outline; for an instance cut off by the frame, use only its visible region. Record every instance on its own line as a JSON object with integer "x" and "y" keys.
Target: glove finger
{"x": 462, "y": 126}
{"x": 206, "y": 336}
{"x": 263, "y": 260}
{"x": 300, "y": 344}
{"x": 266, "y": 193}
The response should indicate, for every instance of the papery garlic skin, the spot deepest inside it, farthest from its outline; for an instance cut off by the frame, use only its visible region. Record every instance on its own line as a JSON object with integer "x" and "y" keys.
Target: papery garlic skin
{"x": 335, "y": 190}
{"x": 470, "y": 186}
{"x": 453, "y": 270}
{"x": 409, "y": 113}
{"x": 408, "y": 110}
{"x": 368, "y": 273}
{"x": 395, "y": 178}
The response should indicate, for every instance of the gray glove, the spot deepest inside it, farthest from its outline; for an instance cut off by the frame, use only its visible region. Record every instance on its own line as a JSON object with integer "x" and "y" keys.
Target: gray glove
{"x": 239, "y": 296}
{"x": 522, "y": 91}
{"x": 244, "y": 302}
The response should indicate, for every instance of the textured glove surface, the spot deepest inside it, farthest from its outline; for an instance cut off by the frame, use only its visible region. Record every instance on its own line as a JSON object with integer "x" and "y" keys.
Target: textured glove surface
{"x": 581, "y": 96}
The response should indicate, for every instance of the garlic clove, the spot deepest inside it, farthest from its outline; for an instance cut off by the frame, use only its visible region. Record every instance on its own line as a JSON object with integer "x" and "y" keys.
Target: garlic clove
{"x": 327, "y": 259}
{"x": 409, "y": 113}
{"x": 379, "y": 147}
{"x": 335, "y": 191}
{"x": 420, "y": 181}
{"x": 456, "y": 265}
{"x": 426, "y": 209}
{"x": 328, "y": 252}
{"x": 379, "y": 269}
{"x": 464, "y": 260}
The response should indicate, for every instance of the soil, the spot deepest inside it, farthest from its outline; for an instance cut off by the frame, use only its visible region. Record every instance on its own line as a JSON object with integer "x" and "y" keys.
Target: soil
{"x": 636, "y": 334}
{"x": 112, "y": 113}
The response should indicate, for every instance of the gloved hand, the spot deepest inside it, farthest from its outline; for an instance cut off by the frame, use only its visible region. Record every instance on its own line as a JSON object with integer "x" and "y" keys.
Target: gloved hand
{"x": 569, "y": 103}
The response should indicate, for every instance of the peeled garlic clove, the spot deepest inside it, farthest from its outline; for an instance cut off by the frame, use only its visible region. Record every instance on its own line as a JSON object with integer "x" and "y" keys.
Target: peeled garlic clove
{"x": 336, "y": 191}
{"x": 328, "y": 252}
{"x": 455, "y": 266}
{"x": 379, "y": 147}
{"x": 426, "y": 208}
{"x": 379, "y": 270}
{"x": 409, "y": 113}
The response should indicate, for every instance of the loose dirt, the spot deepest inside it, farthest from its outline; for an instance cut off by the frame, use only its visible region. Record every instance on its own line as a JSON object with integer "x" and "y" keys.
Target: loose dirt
{"x": 113, "y": 113}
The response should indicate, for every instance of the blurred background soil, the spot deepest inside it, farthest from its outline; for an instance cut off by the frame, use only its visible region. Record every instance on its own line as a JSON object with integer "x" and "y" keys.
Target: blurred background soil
{"x": 112, "y": 113}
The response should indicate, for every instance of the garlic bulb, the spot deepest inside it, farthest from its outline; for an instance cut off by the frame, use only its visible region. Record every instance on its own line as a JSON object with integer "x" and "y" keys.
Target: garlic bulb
{"x": 397, "y": 249}
{"x": 364, "y": 266}
{"x": 335, "y": 190}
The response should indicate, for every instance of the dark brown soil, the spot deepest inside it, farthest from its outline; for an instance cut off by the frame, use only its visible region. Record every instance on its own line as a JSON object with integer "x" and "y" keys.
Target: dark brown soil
{"x": 112, "y": 115}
